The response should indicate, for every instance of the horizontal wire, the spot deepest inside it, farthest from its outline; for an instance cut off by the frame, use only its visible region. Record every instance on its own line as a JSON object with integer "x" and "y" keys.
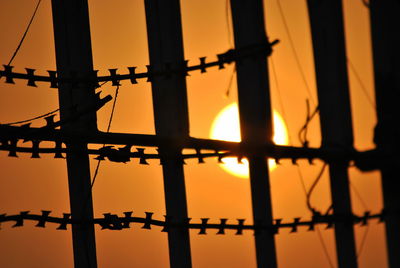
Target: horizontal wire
{"x": 114, "y": 222}
{"x": 10, "y": 136}
{"x": 166, "y": 70}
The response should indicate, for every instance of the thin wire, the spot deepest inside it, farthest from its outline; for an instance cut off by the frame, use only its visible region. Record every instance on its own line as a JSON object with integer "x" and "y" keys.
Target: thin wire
{"x": 313, "y": 185}
{"x": 108, "y": 130}
{"x": 284, "y": 115}
{"x": 364, "y": 238}
{"x": 304, "y": 129}
{"x": 296, "y": 57}
{"x": 43, "y": 115}
{"x": 228, "y": 89}
{"x": 325, "y": 250}
{"x": 31, "y": 119}
{"x": 359, "y": 80}
{"x": 98, "y": 167}
{"x": 228, "y": 23}
{"x": 25, "y": 33}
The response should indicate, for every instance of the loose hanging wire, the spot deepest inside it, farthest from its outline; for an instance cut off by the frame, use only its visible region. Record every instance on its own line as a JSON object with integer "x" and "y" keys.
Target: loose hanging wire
{"x": 25, "y": 33}
{"x": 302, "y": 135}
{"x": 31, "y": 119}
{"x": 228, "y": 27}
{"x": 296, "y": 57}
{"x": 302, "y": 73}
{"x": 359, "y": 80}
{"x": 310, "y": 191}
{"x": 13, "y": 57}
{"x": 40, "y": 116}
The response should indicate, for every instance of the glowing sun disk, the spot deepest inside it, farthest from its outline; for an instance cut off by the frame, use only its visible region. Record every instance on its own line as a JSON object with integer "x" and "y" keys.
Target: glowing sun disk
{"x": 226, "y": 127}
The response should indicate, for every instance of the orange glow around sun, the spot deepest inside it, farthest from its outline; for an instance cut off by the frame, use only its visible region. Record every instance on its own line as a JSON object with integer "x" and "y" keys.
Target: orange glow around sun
{"x": 226, "y": 127}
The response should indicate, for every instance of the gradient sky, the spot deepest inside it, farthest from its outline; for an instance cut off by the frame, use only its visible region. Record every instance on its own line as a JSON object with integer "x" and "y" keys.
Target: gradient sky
{"x": 119, "y": 40}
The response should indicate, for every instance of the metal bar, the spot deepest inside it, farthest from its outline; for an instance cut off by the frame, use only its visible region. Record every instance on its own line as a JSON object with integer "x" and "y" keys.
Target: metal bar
{"x": 74, "y": 57}
{"x": 326, "y": 21}
{"x": 164, "y": 32}
{"x": 255, "y": 117}
{"x": 386, "y": 56}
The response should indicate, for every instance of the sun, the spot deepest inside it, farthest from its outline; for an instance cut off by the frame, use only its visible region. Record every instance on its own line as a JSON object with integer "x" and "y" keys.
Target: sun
{"x": 226, "y": 127}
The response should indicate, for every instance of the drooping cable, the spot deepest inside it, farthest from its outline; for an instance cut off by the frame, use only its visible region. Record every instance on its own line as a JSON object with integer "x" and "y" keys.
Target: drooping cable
{"x": 228, "y": 22}
{"x": 311, "y": 189}
{"x": 296, "y": 57}
{"x": 31, "y": 119}
{"x": 302, "y": 135}
{"x": 25, "y": 33}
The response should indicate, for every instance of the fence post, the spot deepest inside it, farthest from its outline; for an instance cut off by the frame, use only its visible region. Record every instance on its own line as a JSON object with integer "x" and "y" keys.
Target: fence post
{"x": 171, "y": 117}
{"x": 255, "y": 116}
{"x": 74, "y": 57}
{"x": 386, "y": 57}
{"x": 326, "y": 21}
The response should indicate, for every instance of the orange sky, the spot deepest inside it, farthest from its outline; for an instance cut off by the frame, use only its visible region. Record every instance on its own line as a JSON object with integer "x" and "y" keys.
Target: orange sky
{"x": 119, "y": 40}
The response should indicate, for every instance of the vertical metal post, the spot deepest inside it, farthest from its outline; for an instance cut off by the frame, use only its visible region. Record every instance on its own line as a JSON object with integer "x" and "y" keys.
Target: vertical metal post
{"x": 255, "y": 116}
{"x": 386, "y": 57}
{"x": 74, "y": 57}
{"x": 164, "y": 31}
{"x": 326, "y": 21}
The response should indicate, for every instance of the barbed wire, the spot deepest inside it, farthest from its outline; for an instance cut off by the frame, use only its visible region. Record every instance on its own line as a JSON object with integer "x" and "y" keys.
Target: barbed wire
{"x": 114, "y": 222}
{"x": 121, "y": 144}
{"x": 166, "y": 70}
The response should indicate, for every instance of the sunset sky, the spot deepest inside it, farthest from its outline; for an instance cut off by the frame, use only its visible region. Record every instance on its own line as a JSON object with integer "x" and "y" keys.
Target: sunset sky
{"x": 119, "y": 40}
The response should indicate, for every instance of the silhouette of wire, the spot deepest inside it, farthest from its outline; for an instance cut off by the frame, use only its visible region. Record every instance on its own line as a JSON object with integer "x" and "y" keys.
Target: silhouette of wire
{"x": 284, "y": 115}
{"x": 108, "y": 130}
{"x": 302, "y": 135}
{"x": 300, "y": 174}
{"x": 31, "y": 119}
{"x": 41, "y": 116}
{"x": 364, "y": 238}
{"x": 359, "y": 80}
{"x": 228, "y": 24}
{"x": 310, "y": 191}
{"x": 296, "y": 57}
{"x": 25, "y": 33}
{"x": 228, "y": 88}
{"x": 324, "y": 248}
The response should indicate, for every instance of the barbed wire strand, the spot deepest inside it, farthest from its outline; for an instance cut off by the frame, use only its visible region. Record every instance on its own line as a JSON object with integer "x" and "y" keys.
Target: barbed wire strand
{"x": 25, "y": 33}
{"x": 114, "y": 222}
{"x": 296, "y": 57}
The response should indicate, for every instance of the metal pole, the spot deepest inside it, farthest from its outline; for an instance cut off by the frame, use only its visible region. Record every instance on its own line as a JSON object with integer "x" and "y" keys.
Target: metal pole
{"x": 255, "y": 116}
{"x": 386, "y": 56}
{"x": 170, "y": 106}
{"x": 326, "y": 21}
{"x": 74, "y": 57}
